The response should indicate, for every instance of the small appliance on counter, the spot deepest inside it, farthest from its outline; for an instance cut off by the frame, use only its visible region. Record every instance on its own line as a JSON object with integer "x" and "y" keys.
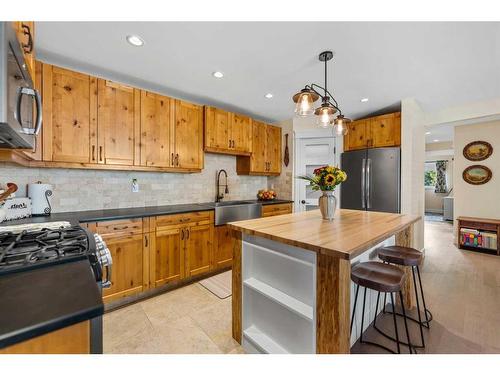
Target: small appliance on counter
{"x": 41, "y": 196}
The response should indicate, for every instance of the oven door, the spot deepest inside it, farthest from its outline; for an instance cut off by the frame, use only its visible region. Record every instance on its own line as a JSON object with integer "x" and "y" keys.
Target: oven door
{"x": 21, "y": 113}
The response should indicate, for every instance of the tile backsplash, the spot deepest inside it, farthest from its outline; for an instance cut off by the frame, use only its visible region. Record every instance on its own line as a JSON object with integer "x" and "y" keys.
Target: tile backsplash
{"x": 79, "y": 190}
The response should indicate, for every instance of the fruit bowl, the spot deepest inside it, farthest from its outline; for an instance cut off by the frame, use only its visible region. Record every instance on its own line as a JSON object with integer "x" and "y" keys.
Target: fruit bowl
{"x": 266, "y": 195}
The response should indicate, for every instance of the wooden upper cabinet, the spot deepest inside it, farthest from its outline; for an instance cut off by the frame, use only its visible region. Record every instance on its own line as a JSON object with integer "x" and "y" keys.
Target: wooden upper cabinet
{"x": 273, "y": 149}
{"x": 241, "y": 133}
{"x": 118, "y": 122}
{"x": 357, "y": 136}
{"x": 157, "y": 113}
{"x": 188, "y": 135}
{"x": 385, "y": 130}
{"x": 217, "y": 123}
{"x": 258, "y": 159}
{"x": 379, "y": 131}
{"x": 69, "y": 116}
{"x": 25, "y": 31}
{"x": 266, "y": 152}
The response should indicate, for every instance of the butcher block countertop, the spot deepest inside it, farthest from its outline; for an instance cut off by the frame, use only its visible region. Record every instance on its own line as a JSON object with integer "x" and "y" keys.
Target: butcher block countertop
{"x": 351, "y": 232}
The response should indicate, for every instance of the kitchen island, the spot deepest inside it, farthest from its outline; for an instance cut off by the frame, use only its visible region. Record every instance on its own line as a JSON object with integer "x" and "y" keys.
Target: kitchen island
{"x": 291, "y": 277}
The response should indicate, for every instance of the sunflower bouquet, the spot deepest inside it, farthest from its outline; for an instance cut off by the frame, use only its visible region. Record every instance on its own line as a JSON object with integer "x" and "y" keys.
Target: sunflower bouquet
{"x": 325, "y": 178}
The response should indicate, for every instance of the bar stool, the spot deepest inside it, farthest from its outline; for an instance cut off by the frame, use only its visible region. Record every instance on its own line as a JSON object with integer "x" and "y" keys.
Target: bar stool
{"x": 407, "y": 256}
{"x": 383, "y": 278}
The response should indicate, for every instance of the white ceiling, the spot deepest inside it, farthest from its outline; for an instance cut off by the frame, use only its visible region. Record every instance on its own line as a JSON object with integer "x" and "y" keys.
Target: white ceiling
{"x": 440, "y": 133}
{"x": 439, "y": 64}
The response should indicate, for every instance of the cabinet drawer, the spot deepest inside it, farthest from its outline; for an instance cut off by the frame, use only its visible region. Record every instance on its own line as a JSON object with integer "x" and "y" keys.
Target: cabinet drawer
{"x": 126, "y": 226}
{"x": 197, "y": 218}
{"x": 276, "y": 209}
{"x": 478, "y": 225}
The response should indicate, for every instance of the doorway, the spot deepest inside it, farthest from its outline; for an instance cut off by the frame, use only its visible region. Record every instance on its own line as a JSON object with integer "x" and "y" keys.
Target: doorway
{"x": 311, "y": 153}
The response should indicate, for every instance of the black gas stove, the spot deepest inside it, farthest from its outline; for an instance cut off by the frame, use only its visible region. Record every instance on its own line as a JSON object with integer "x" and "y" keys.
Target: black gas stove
{"x": 28, "y": 248}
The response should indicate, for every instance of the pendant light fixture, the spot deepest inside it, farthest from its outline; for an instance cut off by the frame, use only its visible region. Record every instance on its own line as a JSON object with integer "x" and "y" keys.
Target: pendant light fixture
{"x": 325, "y": 113}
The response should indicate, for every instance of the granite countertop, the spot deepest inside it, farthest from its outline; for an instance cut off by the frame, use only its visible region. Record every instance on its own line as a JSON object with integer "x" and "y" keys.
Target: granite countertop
{"x": 127, "y": 213}
{"x": 46, "y": 299}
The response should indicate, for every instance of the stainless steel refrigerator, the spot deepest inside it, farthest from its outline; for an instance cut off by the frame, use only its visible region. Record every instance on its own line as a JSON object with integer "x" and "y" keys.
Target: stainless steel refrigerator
{"x": 373, "y": 180}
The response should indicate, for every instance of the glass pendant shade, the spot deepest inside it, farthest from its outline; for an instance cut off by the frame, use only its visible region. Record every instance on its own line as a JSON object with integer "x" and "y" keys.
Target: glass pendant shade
{"x": 341, "y": 125}
{"x": 324, "y": 115}
{"x": 305, "y": 100}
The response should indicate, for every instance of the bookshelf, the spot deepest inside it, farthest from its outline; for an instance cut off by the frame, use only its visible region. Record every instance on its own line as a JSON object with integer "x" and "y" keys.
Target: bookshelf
{"x": 478, "y": 234}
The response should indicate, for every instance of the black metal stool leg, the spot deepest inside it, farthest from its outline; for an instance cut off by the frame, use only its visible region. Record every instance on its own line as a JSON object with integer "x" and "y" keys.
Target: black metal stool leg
{"x": 354, "y": 308}
{"x": 410, "y": 346}
{"x": 363, "y": 316}
{"x": 376, "y": 311}
{"x": 395, "y": 323}
{"x": 385, "y": 302}
{"x": 418, "y": 308}
{"x": 428, "y": 314}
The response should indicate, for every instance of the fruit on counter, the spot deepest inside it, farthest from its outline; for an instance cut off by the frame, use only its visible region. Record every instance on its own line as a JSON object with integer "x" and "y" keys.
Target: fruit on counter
{"x": 266, "y": 195}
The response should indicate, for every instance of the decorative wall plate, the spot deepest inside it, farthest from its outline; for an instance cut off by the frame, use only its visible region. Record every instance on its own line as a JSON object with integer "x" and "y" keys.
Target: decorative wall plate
{"x": 478, "y": 150}
{"x": 477, "y": 174}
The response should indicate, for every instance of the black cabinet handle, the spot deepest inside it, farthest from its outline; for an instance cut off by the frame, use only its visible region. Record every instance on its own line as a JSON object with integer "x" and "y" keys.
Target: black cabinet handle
{"x": 303, "y": 201}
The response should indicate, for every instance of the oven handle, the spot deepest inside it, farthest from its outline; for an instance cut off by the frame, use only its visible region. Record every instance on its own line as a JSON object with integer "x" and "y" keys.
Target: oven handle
{"x": 38, "y": 101}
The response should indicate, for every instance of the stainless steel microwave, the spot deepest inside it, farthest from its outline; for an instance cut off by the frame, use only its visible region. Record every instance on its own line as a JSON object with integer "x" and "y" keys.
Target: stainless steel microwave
{"x": 20, "y": 103}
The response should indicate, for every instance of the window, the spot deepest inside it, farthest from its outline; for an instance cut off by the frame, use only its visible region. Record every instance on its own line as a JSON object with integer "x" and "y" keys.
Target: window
{"x": 430, "y": 175}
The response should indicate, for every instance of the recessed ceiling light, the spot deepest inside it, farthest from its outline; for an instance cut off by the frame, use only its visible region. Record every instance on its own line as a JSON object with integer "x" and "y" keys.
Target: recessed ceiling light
{"x": 218, "y": 74}
{"x": 435, "y": 140}
{"x": 364, "y": 100}
{"x": 427, "y": 133}
{"x": 135, "y": 40}
{"x": 268, "y": 95}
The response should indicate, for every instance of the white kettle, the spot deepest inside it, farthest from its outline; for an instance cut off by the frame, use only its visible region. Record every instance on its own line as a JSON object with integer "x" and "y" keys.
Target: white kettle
{"x": 41, "y": 197}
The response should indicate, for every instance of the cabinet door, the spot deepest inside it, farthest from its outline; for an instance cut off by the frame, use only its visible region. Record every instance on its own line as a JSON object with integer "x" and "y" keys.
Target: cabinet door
{"x": 258, "y": 159}
{"x": 273, "y": 149}
{"x": 127, "y": 276}
{"x": 156, "y": 113}
{"x": 223, "y": 247}
{"x": 69, "y": 116}
{"x": 118, "y": 123}
{"x": 357, "y": 136}
{"x": 167, "y": 256}
{"x": 216, "y": 129}
{"x": 199, "y": 241}
{"x": 385, "y": 130}
{"x": 241, "y": 133}
{"x": 188, "y": 135}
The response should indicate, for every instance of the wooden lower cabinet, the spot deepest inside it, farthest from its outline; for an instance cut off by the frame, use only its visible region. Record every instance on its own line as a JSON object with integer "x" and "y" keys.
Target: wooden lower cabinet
{"x": 276, "y": 209}
{"x": 223, "y": 247}
{"x": 74, "y": 339}
{"x": 198, "y": 247}
{"x": 128, "y": 270}
{"x": 167, "y": 257}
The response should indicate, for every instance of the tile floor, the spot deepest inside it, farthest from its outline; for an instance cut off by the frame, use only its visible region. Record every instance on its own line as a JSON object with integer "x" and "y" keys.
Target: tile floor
{"x": 462, "y": 289}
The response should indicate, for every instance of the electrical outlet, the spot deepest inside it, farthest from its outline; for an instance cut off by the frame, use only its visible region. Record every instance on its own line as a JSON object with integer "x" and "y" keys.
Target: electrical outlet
{"x": 135, "y": 186}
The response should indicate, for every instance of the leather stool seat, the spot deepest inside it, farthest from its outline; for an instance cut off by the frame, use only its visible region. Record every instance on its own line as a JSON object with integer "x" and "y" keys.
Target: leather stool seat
{"x": 404, "y": 256}
{"x": 378, "y": 276}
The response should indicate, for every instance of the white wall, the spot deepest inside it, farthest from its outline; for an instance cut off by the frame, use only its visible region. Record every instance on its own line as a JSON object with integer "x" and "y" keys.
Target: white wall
{"x": 477, "y": 200}
{"x": 412, "y": 165}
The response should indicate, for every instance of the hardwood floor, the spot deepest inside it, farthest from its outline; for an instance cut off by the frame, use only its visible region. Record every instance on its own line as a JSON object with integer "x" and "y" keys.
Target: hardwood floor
{"x": 462, "y": 289}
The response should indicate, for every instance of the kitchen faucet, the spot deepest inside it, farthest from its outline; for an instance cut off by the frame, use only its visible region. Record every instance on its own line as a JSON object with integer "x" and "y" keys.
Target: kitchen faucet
{"x": 219, "y": 196}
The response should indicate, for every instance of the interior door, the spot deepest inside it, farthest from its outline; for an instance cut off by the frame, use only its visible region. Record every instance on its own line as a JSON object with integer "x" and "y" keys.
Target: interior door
{"x": 118, "y": 127}
{"x": 310, "y": 154}
{"x": 168, "y": 257}
{"x": 199, "y": 241}
{"x": 188, "y": 135}
{"x": 258, "y": 158}
{"x": 352, "y": 192}
{"x": 156, "y": 111}
{"x": 241, "y": 133}
{"x": 383, "y": 179}
{"x": 273, "y": 149}
{"x": 69, "y": 109}
{"x": 216, "y": 128}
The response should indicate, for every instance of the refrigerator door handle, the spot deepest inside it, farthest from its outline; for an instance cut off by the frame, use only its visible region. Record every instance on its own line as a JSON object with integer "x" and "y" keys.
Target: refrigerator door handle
{"x": 363, "y": 183}
{"x": 368, "y": 178}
